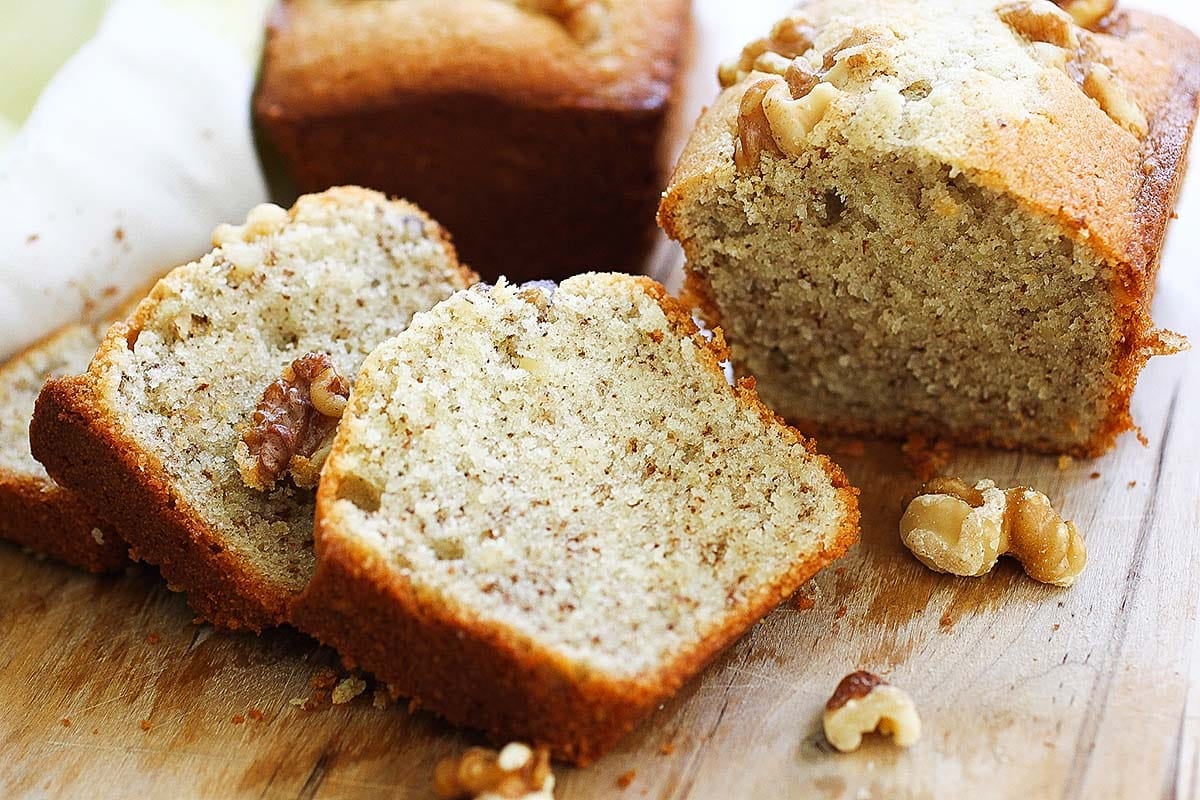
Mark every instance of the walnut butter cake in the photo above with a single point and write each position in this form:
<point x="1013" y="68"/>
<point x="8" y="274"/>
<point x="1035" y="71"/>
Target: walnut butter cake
<point x="942" y="217"/>
<point x="35" y="512"/>
<point x="546" y="509"/>
<point x="197" y="429"/>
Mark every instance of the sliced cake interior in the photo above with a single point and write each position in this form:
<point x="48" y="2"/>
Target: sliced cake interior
<point x="567" y="476"/>
<point x="940" y="217"/>
<point x="34" y="511"/>
<point x="164" y="407"/>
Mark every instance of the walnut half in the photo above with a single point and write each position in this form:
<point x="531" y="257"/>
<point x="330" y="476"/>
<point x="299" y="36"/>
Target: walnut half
<point x="961" y="529"/>
<point x="864" y="703"/>
<point x="515" y="772"/>
<point x="292" y="428"/>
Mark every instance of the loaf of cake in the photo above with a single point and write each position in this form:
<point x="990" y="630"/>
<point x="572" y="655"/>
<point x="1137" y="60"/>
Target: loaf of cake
<point x="546" y="509"/>
<point x="942" y="217"/>
<point x="35" y="512"/>
<point x="529" y="128"/>
<point x="189" y="428"/>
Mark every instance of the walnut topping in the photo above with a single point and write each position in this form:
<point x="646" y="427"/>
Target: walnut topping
<point x="863" y="703"/>
<point x="517" y="771"/>
<point x="1058" y="39"/>
<point x="1087" y="13"/>
<point x="586" y="20"/>
<point x="1039" y="21"/>
<point x="754" y="131"/>
<point x="791" y="37"/>
<point x="293" y="426"/>
<point x="1102" y="85"/>
<point x="263" y="220"/>
<point x="963" y="530"/>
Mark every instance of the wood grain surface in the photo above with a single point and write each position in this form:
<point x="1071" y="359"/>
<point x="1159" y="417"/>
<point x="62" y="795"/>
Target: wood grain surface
<point x="109" y="690"/>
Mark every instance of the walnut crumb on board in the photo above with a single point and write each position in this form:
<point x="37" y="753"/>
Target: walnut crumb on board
<point x="626" y="779"/>
<point x="348" y="689"/>
<point x="144" y="724"/>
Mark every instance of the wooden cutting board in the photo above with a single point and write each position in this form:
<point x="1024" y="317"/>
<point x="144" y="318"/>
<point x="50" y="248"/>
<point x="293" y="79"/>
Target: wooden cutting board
<point x="108" y="689"/>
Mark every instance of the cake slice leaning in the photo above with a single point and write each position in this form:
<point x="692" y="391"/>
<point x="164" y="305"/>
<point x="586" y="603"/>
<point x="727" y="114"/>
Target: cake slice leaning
<point x="545" y="510"/>
<point x="35" y="512"/>
<point x="154" y="435"/>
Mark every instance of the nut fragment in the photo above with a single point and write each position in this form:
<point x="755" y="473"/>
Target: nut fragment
<point x="961" y="529"/>
<point x="1102" y="85"/>
<point x="517" y="771"/>
<point x="1039" y="21"/>
<point x="863" y="703"/>
<point x="262" y="220"/>
<point x="1087" y="13"/>
<point x="293" y="426"/>
<point x="791" y="37"/>
<point x="754" y="131"/>
<point x="586" y="20"/>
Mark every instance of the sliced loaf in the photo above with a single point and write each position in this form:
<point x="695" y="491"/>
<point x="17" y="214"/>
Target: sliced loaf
<point x="545" y="510"/>
<point x="35" y="512"/>
<point x="943" y="216"/>
<point x="150" y="435"/>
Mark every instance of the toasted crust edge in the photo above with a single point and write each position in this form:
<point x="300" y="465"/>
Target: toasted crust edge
<point x="500" y="681"/>
<point x="82" y="449"/>
<point x="47" y="519"/>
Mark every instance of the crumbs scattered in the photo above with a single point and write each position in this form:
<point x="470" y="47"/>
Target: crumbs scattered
<point x="626" y="778"/>
<point x="666" y="749"/>
<point x="66" y="723"/>
<point x="256" y="714"/>
<point x="1132" y="484"/>
<point x="316" y="700"/>
<point x="119" y="234"/>
<point x="1064" y="463"/>
<point x="381" y="698"/>
<point x="238" y="719"/>
<point x="348" y="689"/>
<point x="925" y="459"/>
<point x="841" y="612"/>
<point x="325" y="678"/>
<point x="946" y="623"/>
<point x="1094" y="475"/>
<point x="1054" y="627"/>
<point x="31" y="238"/>
<point x="95" y="731"/>
<point x="153" y="637"/>
<point x="144" y="724"/>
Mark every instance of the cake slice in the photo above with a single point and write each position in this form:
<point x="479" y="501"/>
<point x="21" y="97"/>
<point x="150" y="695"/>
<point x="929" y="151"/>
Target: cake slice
<point x="545" y="510"/>
<point x="942" y="217"/>
<point x="154" y="435"/>
<point x="35" y="512"/>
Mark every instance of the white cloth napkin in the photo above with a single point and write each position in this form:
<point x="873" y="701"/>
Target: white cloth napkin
<point x="139" y="146"/>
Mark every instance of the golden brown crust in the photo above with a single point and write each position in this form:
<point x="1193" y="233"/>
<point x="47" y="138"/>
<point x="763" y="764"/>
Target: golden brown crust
<point x="81" y="448"/>
<point x="1113" y="194"/>
<point x="50" y="520"/>
<point x="376" y="93"/>
<point x="501" y="681"/>
<point x="40" y="515"/>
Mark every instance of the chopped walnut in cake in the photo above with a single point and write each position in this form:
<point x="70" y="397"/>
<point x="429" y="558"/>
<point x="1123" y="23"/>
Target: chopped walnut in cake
<point x="292" y="428"/>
